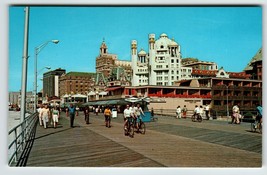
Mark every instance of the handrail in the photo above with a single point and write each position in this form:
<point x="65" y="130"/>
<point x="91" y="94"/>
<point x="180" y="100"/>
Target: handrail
<point x="19" y="136"/>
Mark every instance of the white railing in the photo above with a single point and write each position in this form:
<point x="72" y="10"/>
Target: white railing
<point x="19" y="136"/>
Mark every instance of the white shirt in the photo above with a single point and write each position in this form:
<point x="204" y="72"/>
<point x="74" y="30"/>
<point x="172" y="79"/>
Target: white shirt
<point x="127" y="113"/>
<point x="139" y="111"/>
<point x="178" y="110"/>
<point x="201" y="111"/>
<point x="197" y="110"/>
<point x="39" y="110"/>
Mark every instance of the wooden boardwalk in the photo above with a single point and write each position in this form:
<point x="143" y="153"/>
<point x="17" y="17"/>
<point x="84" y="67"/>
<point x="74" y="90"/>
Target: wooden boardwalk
<point x="168" y="142"/>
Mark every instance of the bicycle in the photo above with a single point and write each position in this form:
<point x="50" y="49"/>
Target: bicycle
<point x="256" y="125"/>
<point x="141" y="125"/>
<point x="129" y="131"/>
<point x="196" y="117"/>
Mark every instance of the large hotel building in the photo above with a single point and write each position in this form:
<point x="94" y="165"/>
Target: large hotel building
<point x="163" y="75"/>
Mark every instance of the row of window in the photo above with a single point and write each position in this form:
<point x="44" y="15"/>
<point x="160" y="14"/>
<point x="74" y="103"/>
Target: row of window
<point x="166" y="78"/>
<point x="142" y="70"/>
<point x="143" y="81"/>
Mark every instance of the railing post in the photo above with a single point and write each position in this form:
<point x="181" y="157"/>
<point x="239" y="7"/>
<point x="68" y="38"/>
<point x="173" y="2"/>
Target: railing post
<point x="16" y="146"/>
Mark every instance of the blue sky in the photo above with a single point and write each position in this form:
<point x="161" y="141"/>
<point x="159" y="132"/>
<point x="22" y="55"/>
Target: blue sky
<point x="229" y="36"/>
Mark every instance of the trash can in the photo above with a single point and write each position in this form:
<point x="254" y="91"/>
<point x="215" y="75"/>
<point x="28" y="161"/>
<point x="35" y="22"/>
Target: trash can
<point x="114" y="113"/>
<point x="146" y="117"/>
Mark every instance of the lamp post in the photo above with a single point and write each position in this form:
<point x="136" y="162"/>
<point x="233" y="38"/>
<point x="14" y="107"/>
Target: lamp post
<point x="35" y="91"/>
<point x="37" y="51"/>
<point x="227" y="106"/>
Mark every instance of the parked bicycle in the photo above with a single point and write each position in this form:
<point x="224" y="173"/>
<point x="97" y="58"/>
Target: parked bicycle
<point x="196" y="118"/>
<point x="129" y="131"/>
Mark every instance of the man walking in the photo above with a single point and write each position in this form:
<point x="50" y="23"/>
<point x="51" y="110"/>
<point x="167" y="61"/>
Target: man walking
<point x="72" y="114"/>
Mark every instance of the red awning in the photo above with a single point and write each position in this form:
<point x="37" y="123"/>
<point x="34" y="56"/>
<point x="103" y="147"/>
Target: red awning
<point x="113" y="88"/>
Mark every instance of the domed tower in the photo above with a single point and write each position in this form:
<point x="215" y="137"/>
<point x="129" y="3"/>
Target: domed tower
<point x="142" y="56"/>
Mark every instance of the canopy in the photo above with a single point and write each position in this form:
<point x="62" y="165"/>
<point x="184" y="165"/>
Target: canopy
<point x="90" y="103"/>
<point x="103" y="93"/>
<point x="132" y="99"/>
<point x="79" y="96"/>
<point x="67" y="104"/>
<point x="66" y="96"/>
<point x="106" y="102"/>
<point x="91" y="93"/>
<point x="117" y="102"/>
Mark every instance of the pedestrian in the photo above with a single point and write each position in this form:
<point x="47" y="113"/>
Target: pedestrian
<point x="93" y="109"/>
<point x="152" y="112"/>
<point x="178" y="112"/>
<point x="77" y="110"/>
<point x="67" y="111"/>
<point x="107" y="114"/>
<point x="45" y="113"/>
<point x="55" y="115"/>
<point x="96" y="110"/>
<point x="86" y="114"/>
<point x="236" y="115"/>
<point x="184" y="110"/>
<point x="201" y="110"/>
<point x="71" y="110"/>
<point x="39" y="110"/>
<point x="207" y="111"/>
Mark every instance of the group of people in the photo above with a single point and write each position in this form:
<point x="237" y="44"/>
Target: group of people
<point x="200" y="110"/>
<point x="180" y="112"/>
<point x="134" y="112"/>
<point x="46" y="114"/>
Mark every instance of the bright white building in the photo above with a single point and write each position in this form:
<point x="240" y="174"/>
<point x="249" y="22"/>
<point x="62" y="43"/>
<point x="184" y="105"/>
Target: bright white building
<point x="161" y="66"/>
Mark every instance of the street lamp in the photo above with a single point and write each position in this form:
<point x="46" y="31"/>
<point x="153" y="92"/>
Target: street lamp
<point x="227" y="105"/>
<point x="46" y="67"/>
<point x="227" y="102"/>
<point x="37" y="51"/>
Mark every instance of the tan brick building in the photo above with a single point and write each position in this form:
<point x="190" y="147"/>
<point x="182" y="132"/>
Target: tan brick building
<point x="105" y="62"/>
<point x="76" y="83"/>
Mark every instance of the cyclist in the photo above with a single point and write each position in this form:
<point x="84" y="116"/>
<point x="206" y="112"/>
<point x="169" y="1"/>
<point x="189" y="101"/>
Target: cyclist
<point x="139" y="111"/>
<point x="127" y="114"/>
<point x="133" y="110"/>
<point x="196" y="112"/>
<point x="259" y="115"/>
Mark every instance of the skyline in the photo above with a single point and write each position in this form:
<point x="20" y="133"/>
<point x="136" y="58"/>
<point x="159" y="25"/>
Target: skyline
<point x="217" y="34"/>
